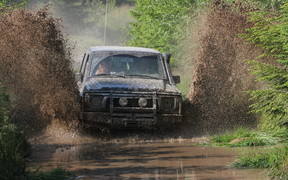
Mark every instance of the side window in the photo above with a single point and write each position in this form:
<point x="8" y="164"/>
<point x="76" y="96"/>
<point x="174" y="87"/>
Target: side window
<point x="81" y="67"/>
<point x="84" y="63"/>
<point x="167" y="69"/>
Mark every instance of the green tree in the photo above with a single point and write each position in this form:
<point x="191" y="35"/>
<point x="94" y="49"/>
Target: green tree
<point x="17" y="3"/>
<point x="159" y="24"/>
<point x="270" y="33"/>
<point x="3" y="3"/>
<point x="268" y="4"/>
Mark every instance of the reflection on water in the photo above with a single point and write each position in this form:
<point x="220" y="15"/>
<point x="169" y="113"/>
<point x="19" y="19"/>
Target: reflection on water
<point x="152" y="161"/>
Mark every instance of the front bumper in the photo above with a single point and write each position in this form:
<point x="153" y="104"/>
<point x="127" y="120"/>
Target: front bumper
<point x="132" y="119"/>
<point x="153" y="114"/>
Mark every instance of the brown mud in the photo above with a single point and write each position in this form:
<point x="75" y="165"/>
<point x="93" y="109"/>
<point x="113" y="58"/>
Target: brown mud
<point x="220" y="77"/>
<point x="36" y="70"/>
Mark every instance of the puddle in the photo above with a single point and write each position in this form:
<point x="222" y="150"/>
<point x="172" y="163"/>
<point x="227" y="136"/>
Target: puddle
<point x="144" y="161"/>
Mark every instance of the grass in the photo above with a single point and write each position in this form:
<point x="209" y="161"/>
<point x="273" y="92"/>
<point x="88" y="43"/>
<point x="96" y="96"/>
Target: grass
<point x="275" y="159"/>
<point x="242" y="137"/>
<point x="56" y="174"/>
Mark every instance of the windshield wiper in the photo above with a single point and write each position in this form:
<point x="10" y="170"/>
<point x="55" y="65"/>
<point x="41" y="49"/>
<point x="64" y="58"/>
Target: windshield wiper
<point x="111" y="75"/>
<point x="143" y="76"/>
<point x="102" y="74"/>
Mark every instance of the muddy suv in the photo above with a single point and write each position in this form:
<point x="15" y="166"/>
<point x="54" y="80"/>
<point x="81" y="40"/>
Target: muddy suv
<point x="128" y="86"/>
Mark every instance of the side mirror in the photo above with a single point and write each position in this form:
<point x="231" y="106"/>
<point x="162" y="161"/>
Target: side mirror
<point x="176" y="79"/>
<point x="167" y="57"/>
<point x="78" y="77"/>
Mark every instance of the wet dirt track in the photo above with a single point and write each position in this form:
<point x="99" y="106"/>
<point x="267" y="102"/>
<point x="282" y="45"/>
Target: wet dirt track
<point x="149" y="161"/>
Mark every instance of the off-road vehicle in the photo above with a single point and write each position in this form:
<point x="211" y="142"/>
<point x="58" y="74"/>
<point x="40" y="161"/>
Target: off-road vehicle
<point x="128" y="86"/>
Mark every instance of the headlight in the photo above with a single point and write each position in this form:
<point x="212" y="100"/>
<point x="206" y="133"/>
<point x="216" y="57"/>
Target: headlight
<point x="168" y="103"/>
<point x="96" y="101"/>
<point x="142" y="102"/>
<point x="123" y="101"/>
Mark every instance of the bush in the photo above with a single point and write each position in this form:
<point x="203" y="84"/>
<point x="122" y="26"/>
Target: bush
<point x="12" y="161"/>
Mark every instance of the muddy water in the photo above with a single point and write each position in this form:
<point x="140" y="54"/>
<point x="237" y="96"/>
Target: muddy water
<point x="149" y="161"/>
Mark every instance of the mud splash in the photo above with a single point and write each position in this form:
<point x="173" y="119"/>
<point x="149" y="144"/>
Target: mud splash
<point x="221" y="75"/>
<point x="35" y="68"/>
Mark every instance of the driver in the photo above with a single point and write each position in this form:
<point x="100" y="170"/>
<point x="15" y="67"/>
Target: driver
<point x="103" y="68"/>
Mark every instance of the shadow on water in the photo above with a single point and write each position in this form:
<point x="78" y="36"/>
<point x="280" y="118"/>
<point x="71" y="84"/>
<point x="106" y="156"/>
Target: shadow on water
<point x="163" y="160"/>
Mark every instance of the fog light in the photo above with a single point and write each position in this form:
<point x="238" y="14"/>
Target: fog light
<point x="123" y="101"/>
<point x="142" y="102"/>
<point x="96" y="101"/>
<point x="167" y="103"/>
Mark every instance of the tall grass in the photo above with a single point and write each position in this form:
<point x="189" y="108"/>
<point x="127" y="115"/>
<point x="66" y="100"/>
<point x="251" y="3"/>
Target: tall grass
<point x="276" y="130"/>
<point x="242" y="137"/>
<point x="275" y="159"/>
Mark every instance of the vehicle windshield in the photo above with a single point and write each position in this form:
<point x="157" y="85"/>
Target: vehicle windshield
<point x="125" y="65"/>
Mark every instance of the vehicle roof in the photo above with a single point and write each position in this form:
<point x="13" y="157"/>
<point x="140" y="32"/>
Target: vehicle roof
<point x="121" y="49"/>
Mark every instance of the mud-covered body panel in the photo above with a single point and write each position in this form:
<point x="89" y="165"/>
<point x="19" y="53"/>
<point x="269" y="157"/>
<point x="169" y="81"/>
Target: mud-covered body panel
<point x="128" y="84"/>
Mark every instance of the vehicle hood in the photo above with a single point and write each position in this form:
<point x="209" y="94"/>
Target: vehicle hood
<point x="128" y="84"/>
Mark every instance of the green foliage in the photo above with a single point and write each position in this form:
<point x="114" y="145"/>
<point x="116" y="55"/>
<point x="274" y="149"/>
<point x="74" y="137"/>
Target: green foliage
<point x="4" y="101"/>
<point x="259" y="160"/>
<point x="13" y="148"/>
<point x="270" y="33"/>
<point x="275" y="159"/>
<point x="262" y="4"/>
<point x="242" y="137"/>
<point x="3" y="3"/>
<point x="229" y="136"/>
<point x="265" y="124"/>
<point x="269" y="4"/>
<point x="254" y="141"/>
<point x="12" y="162"/>
<point x="56" y="174"/>
<point x="159" y="24"/>
<point x="11" y="4"/>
